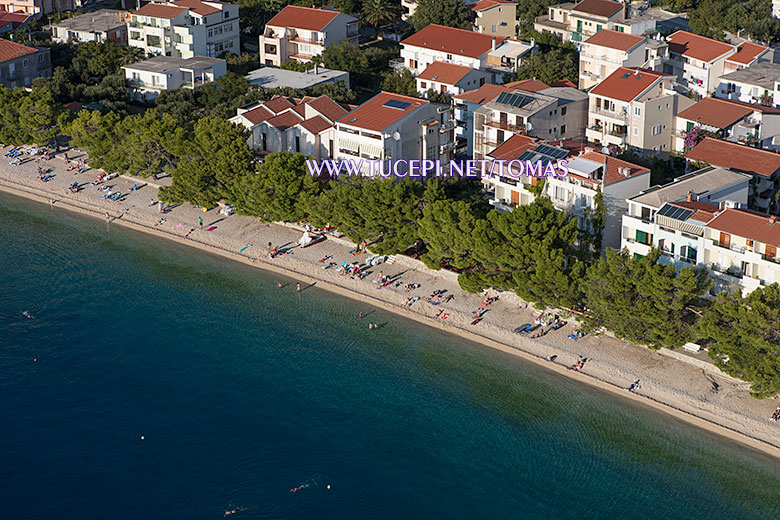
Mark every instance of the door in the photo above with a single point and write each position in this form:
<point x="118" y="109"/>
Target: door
<point x="515" y="197"/>
<point x="725" y="240"/>
<point x="771" y="252"/>
<point x="579" y="26"/>
<point x="502" y="117"/>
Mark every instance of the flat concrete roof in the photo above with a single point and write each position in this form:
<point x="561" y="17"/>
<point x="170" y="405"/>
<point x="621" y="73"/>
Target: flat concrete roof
<point x="163" y="64"/>
<point x="761" y="74"/>
<point x="701" y="181"/>
<point x="271" y="77"/>
<point x="99" y="21"/>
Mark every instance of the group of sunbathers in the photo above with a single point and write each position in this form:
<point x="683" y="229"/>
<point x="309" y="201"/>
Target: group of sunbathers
<point x="776" y="415"/>
<point x="438" y="297"/>
<point x="633" y="387"/>
<point x="579" y="364"/>
<point x="411" y="301"/>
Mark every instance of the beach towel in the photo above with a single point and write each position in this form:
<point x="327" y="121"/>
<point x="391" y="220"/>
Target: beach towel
<point x="243" y="248"/>
<point x="212" y="228"/>
<point x="179" y="225"/>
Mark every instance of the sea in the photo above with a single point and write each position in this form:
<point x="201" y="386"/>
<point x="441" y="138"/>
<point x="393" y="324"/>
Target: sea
<point x="155" y="381"/>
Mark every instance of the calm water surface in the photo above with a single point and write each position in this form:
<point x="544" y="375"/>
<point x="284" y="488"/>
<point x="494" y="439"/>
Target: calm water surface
<point x="244" y="391"/>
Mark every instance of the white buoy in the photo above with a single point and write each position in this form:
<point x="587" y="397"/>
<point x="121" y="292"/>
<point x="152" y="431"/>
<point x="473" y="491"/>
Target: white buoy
<point x="142" y="437"/>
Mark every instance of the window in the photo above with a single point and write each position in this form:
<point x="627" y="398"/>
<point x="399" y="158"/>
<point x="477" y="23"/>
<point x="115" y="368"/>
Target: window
<point x="563" y="111"/>
<point x="493" y="29"/>
<point x="637" y="111"/>
<point x="636" y="130"/>
<point x="25" y="63"/>
<point x="227" y="14"/>
<point x="561" y="193"/>
<point x="449" y="56"/>
<point x="771" y="252"/>
<point x="646" y="214"/>
<point x="563" y="129"/>
<point x="656" y="129"/>
<point x="500" y="136"/>
<point x="270" y="49"/>
<point x="423" y="84"/>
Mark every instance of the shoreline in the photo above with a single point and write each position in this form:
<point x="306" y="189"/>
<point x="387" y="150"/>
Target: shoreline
<point x="283" y="268"/>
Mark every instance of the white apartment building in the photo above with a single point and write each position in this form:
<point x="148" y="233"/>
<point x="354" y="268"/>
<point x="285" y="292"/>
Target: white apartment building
<point x="448" y="78"/>
<point x="762" y="165"/>
<point x="448" y="45"/>
<point x="699" y="62"/>
<point x="578" y="21"/>
<point x="670" y="217"/>
<point x="101" y="26"/>
<point x="758" y="83"/>
<point x="149" y="77"/>
<point x="551" y="114"/>
<point x="607" y="50"/>
<point x="634" y="108"/>
<point x="495" y="17"/>
<point x="740" y="250"/>
<point x="735" y="121"/>
<point x="776" y="8"/>
<point x="301" y="33"/>
<point x="304" y="126"/>
<point x="185" y="28"/>
<point x="575" y="193"/>
<point x="394" y="127"/>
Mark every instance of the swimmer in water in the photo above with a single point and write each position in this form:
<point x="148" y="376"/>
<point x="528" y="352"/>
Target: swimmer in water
<point x="27" y="315"/>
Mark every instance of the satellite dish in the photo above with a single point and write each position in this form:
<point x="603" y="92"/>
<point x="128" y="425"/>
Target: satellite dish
<point x="396" y="136"/>
<point x="529" y="127"/>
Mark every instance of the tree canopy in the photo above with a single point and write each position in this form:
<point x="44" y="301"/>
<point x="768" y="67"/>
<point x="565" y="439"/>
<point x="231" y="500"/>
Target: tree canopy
<point x="553" y="65"/>
<point x="452" y="13"/>
<point x="744" y="337"/>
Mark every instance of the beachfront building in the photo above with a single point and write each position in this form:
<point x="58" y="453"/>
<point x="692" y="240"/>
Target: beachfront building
<point x="634" y="108"/>
<point x="150" y="77"/>
<point x="672" y="217"/>
<point x="607" y="50"/>
<point x="449" y="78"/>
<point x="740" y="250"/>
<point x="747" y="123"/>
<point x="37" y="7"/>
<point x="282" y="124"/>
<point x="185" y="28"/>
<point x="758" y="83"/>
<point x="20" y="64"/>
<point x="272" y="77"/>
<point x="101" y="26"/>
<point x="589" y="173"/>
<point x="301" y="33"/>
<point x="762" y="165"/>
<point x="394" y="127"/>
<point x="551" y="114"/>
<point x="467" y="103"/>
<point x="495" y="17"/>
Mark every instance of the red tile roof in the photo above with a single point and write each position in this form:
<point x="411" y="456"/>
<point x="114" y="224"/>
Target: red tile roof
<point x="15" y="19"/>
<point x="746" y="53"/>
<point x="258" y="115"/>
<point x="697" y="47"/>
<point x="307" y="18"/>
<point x="316" y="124"/>
<point x="488" y="4"/>
<point x="10" y="50"/>
<point x="278" y="104"/>
<point x="285" y="120"/>
<point x="611" y="173"/>
<point x="598" y="7"/>
<point x="720" y="113"/>
<point x="735" y="157"/>
<point x="374" y="115"/>
<point x="447" y="73"/>
<point x="196" y="6"/>
<point x="565" y="82"/>
<point x="626" y="84"/>
<point x="327" y="107"/>
<point x="614" y="39"/>
<point x="529" y="85"/>
<point x="160" y="11"/>
<point x="514" y="147"/>
<point x="452" y="41"/>
<point x="760" y="228"/>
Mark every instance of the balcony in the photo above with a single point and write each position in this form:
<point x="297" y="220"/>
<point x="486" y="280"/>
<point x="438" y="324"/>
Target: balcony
<point x="444" y="148"/>
<point x="602" y="57"/>
<point x="309" y="41"/>
<point x="771" y="258"/>
<point x="730" y="247"/>
<point x="504" y="126"/>
<point x="727" y="273"/>
<point x="621" y="115"/>
<point x="446" y="127"/>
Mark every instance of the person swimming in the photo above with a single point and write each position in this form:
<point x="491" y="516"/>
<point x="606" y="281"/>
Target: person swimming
<point x="27" y="315"/>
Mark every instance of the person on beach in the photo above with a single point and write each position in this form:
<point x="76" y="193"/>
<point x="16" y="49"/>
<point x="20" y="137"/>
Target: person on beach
<point x="279" y="285"/>
<point x="67" y="160"/>
<point x="188" y="233"/>
<point x="361" y="314"/>
<point x="298" y="287"/>
<point x="200" y="221"/>
<point x="108" y="217"/>
<point x="552" y="358"/>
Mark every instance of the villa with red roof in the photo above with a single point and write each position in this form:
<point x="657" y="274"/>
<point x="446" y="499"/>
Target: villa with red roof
<point x="185" y="29"/>
<point x="634" y="107"/>
<point x="20" y="64"/>
<point x="296" y="125"/>
<point x="699" y="61"/>
<point x="392" y="126"/>
<point x="605" y="51"/>
<point x="495" y="17"/>
<point x="732" y="120"/>
<point x="448" y="45"/>
<point x="449" y="78"/>
<point x="763" y="165"/>
<point x="300" y="33"/>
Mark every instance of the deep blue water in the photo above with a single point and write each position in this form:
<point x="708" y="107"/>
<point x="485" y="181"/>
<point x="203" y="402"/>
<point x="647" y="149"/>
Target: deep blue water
<point x="243" y="390"/>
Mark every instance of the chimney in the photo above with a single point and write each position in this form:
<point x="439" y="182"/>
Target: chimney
<point x="690" y="196"/>
<point x="494" y="43"/>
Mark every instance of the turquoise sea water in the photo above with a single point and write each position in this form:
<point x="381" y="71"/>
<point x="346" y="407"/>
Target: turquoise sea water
<point x="244" y="391"/>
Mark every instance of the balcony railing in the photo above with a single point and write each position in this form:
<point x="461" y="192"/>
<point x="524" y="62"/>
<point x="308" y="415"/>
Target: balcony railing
<point x="504" y="126"/>
<point x="730" y="247"/>
<point x="621" y="115"/>
<point x="771" y="258"/>
<point x="299" y="39"/>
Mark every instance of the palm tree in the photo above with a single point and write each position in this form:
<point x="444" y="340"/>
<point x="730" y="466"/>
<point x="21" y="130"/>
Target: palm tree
<point x="380" y="12"/>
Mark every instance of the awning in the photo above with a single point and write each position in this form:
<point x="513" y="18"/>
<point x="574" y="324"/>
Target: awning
<point x="372" y="150"/>
<point x="349" y="145"/>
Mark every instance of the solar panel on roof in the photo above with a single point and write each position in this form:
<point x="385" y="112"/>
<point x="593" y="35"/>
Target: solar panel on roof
<point x="552" y="151"/>
<point x="514" y="100"/>
<point x="397" y="103"/>
<point x="675" y="212"/>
